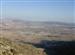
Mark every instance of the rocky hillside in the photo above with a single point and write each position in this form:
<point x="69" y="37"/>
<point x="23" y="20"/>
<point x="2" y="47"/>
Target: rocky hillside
<point x="8" y="47"/>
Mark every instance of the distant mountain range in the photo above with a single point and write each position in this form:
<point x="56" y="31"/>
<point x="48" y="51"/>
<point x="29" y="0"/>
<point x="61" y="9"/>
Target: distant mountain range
<point x="45" y="22"/>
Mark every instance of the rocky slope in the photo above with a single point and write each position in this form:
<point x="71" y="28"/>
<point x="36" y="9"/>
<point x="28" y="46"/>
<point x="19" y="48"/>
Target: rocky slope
<point x="8" y="47"/>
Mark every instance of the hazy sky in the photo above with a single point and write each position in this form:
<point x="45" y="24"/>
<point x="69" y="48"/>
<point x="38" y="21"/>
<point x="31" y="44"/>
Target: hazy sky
<point x="39" y="10"/>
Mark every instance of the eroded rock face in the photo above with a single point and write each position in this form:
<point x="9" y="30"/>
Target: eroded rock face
<point x="10" y="48"/>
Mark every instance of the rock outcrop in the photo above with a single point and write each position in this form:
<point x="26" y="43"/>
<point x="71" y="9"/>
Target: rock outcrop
<point x="8" y="47"/>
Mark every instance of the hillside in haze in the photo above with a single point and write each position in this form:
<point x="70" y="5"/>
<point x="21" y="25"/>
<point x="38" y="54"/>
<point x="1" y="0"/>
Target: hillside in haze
<point x="36" y="38"/>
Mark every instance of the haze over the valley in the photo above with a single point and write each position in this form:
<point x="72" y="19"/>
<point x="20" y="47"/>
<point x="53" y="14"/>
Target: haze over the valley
<point x="37" y="27"/>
